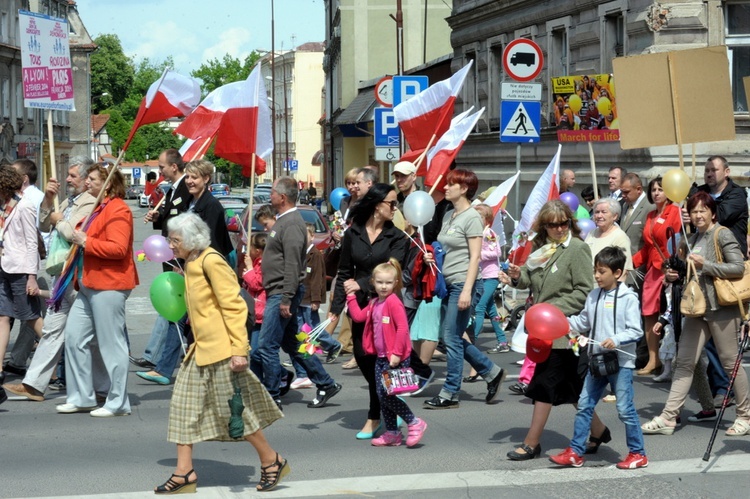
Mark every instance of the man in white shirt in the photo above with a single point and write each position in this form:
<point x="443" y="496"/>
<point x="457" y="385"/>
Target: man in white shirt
<point x="614" y="179"/>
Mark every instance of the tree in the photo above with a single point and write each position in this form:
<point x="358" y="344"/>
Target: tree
<point x="216" y="73"/>
<point x="148" y="142"/>
<point x="145" y="74"/>
<point x="111" y="73"/>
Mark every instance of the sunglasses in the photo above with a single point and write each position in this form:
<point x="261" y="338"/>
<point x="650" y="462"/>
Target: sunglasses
<point x="392" y="204"/>
<point x="558" y="225"/>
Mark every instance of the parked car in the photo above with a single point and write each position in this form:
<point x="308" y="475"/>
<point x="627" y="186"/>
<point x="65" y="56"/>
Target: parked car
<point x="322" y="239"/>
<point x="233" y="200"/>
<point x="145" y="202"/>
<point x="219" y="189"/>
<point x="133" y="191"/>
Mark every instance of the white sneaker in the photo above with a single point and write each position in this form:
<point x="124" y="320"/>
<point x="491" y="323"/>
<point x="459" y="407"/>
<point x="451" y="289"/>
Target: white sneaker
<point x="71" y="409"/>
<point x="301" y="383"/>
<point x="106" y="413"/>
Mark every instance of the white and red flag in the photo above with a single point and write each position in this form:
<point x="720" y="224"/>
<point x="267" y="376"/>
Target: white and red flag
<point x="412" y="156"/>
<point x="440" y="157"/>
<point x="429" y="112"/>
<point x="238" y="115"/>
<point x="497" y="201"/>
<point x="546" y="189"/>
<point x="195" y="148"/>
<point x="171" y="96"/>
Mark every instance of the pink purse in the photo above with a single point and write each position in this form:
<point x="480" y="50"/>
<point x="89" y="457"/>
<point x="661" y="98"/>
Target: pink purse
<point x="400" y="380"/>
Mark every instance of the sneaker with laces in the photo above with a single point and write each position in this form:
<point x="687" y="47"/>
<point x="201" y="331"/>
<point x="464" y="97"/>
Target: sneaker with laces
<point x="416" y="432"/>
<point x="499" y="348"/>
<point x="703" y="416"/>
<point x="519" y="388"/>
<point x="633" y="461"/>
<point x="568" y="457"/>
<point x="323" y="396"/>
<point x="57" y="385"/>
<point x="301" y="383"/>
<point x="388" y="439"/>
<point x="333" y="354"/>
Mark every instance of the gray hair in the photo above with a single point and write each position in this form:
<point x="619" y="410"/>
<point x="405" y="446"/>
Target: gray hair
<point x="368" y="174"/>
<point x="612" y="204"/>
<point x="287" y="186"/>
<point x="193" y="230"/>
<point x="82" y="162"/>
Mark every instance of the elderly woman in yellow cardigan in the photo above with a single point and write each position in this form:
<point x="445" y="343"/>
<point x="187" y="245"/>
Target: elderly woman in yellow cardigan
<point x="214" y="363"/>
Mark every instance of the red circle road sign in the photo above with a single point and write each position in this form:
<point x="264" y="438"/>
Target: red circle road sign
<point x="523" y="59"/>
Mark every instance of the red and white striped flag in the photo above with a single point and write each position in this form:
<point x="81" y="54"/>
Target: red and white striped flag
<point x="429" y="112"/>
<point x="238" y="115"/>
<point x="497" y="201"/>
<point x="411" y="156"/>
<point x="440" y="157"/>
<point x="195" y="148"/>
<point x="171" y="96"/>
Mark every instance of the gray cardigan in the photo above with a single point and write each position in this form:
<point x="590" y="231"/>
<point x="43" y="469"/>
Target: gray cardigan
<point x="733" y="266"/>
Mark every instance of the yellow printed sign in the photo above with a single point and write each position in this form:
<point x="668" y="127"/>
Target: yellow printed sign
<point x="584" y="108"/>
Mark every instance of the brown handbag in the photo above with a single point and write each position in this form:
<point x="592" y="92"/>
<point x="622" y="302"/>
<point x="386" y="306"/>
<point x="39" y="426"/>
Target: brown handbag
<point x="693" y="302"/>
<point x="730" y="291"/>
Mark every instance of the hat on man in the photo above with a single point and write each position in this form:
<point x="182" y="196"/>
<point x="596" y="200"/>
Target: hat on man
<point x="405" y="168"/>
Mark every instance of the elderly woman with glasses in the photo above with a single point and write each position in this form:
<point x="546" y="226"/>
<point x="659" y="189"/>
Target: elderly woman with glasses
<point x="371" y="240"/>
<point x="608" y="233"/>
<point x="560" y="272"/>
<point x="215" y="364"/>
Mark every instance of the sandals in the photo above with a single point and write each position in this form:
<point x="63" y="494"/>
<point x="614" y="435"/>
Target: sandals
<point x="658" y="426"/>
<point x="270" y="479"/>
<point x="739" y="428"/>
<point x="172" y="487"/>
<point x="594" y="442"/>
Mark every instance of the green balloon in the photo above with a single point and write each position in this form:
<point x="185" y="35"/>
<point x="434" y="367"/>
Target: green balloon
<point x="168" y="295"/>
<point x="582" y="212"/>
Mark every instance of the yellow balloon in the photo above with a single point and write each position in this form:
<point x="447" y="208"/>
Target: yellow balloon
<point x="604" y="106"/>
<point x="676" y="185"/>
<point x="615" y="125"/>
<point x="575" y="103"/>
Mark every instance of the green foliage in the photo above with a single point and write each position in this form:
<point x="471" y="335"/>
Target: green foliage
<point x="149" y="141"/>
<point x="111" y="72"/>
<point x="216" y="73"/>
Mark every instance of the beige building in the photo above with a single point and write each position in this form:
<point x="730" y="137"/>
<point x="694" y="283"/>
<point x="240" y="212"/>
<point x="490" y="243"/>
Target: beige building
<point x="296" y="108"/>
<point x="361" y="49"/>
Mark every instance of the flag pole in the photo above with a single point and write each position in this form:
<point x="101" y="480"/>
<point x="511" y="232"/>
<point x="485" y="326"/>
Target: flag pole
<point x="52" y="162"/>
<point x="593" y="171"/>
<point x="104" y="186"/>
<point x="137" y="124"/>
<point x="250" y="204"/>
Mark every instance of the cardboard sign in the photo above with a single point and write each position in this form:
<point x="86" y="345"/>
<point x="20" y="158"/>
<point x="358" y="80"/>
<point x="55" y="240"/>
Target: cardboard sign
<point x="672" y="98"/>
<point x="585" y="108"/>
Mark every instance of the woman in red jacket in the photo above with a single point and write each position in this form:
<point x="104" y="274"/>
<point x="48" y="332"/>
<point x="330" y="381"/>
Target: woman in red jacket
<point x="98" y="312"/>
<point x="653" y="253"/>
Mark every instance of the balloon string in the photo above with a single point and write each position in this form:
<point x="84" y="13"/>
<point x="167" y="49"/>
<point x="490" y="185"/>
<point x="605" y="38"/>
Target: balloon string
<point x="422" y="248"/>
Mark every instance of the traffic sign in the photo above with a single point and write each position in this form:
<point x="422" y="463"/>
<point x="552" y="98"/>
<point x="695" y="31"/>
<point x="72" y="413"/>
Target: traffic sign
<point x="520" y="121"/>
<point x="291" y="164"/>
<point x="520" y="91"/>
<point x="406" y="87"/>
<point x="136" y="172"/>
<point x="384" y="91"/>
<point x="523" y="59"/>
<point x="386" y="129"/>
<point x="387" y="154"/>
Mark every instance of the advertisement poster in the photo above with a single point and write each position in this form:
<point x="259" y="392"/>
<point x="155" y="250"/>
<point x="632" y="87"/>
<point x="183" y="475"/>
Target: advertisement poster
<point x="584" y="108"/>
<point x="46" y="64"/>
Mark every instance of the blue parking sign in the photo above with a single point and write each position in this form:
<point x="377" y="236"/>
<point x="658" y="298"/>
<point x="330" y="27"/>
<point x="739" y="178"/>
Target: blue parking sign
<point x="386" y="129"/>
<point x="406" y="87"/>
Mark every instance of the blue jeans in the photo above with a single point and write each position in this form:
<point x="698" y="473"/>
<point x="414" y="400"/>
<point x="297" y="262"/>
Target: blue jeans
<point x="717" y="378"/>
<point x="157" y="340"/>
<point x="306" y="315"/>
<point x="453" y="322"/>
<point x="280" y="333"/>
<point x="172" y="351"/>
<point x="622" y="385"/>
<point x="486" y="304"/>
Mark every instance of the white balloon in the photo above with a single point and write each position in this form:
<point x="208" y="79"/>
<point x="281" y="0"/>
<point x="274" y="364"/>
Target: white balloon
<point x="419" y="207"/>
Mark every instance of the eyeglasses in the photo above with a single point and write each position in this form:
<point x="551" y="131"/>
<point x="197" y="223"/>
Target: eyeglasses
<point x="558" y="225"/>
<point x="174" y="240"/>
<point x="392" y="204"/>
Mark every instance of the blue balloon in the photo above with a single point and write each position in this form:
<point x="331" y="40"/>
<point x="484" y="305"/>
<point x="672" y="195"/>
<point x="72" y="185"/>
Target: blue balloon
<point x="336" y="196"/>
<point x="586" y="225"/>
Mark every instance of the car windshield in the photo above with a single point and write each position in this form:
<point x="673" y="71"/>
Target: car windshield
<point x="309" y="216"/>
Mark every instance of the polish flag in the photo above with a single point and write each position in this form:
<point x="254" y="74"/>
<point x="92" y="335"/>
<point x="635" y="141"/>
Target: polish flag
<point x="497" y="201"/>
<point x="195" y="148"/>
<point x="238" y="115"/>
<point x="171" y="96"/>
<point x="412" y="156"/>
<point x="546" y="189"/>
<point x="428" y="113"/>
<point x="440" y="157"/>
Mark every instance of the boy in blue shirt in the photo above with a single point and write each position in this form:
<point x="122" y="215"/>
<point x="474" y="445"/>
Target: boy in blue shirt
<point x="612" y="314"/>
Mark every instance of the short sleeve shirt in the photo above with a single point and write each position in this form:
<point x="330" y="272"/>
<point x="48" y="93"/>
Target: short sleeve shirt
<point x="454" y="237"/>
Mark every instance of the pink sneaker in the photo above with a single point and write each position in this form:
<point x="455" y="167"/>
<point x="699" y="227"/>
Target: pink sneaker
<point x="388" y="439"/>
<point x="416" y="432"/>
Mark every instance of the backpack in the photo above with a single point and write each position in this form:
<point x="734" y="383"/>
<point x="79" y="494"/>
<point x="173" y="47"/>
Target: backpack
<point x="441" y="290"/>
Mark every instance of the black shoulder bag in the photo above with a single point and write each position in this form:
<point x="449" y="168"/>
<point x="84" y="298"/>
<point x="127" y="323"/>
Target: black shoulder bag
<point x="604" y="363"/>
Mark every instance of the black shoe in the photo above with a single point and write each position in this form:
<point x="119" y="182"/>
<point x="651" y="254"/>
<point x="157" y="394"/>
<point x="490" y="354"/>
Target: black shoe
<point x="493" y="387"/>
<point x="278" y="404"/>
<point x="605" y="438"/>
<point x="529" y="453"/>
<point x="10" y="368"/>
<point x="287" y="377"/>
<point x="323" y="396"/>
<point x="333" y="354"/>
<point x="2" y="377"/>
<point x="519" y="388"/>
<point x="438" y="402"/>
<point x="141" y="362"/>
<point x="3" y="396"/>
<point x="470" y="379"/>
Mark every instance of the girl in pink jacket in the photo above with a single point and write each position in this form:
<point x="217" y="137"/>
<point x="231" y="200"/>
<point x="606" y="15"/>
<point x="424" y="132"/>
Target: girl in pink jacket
<point x="386" y="335"/>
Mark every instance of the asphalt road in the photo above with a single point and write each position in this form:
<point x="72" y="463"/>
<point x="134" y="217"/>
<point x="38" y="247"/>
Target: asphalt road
<point x="45" y="454"/>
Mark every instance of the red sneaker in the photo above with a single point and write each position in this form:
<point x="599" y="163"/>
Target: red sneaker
<point x="568" y="457"/>
<point x="633" y="461"/>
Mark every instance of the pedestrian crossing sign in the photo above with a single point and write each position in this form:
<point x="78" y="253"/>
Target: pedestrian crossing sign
<point x="520" y="121"/>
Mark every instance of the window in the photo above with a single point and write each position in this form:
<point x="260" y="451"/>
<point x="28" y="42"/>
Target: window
<point x="614" y="40"/>
<point x="470" y="85"/>
<point x="19" y="100"/>
<point x="4" y="29"/>
<point x="737" y="39"/>
<point x="6" y="98"/>
<point x="495" y="81"/>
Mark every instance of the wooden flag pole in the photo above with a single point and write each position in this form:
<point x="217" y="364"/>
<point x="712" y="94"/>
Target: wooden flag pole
<point x="104" y="186"/>
<point x="52" y="162"/>
<point x="424" y="153"/>
<point x="593" y="171"/>
<point x="250" y="205"/>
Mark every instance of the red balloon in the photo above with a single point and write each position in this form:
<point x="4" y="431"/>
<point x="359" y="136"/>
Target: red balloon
<point x="546" y="322"/>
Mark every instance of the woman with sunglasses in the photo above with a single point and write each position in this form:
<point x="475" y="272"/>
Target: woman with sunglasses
<point x="370" y="240"/>
<point x="560" y="272"/>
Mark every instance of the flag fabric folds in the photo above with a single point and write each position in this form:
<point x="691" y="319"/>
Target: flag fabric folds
<point x="497" y="201"/>
<point x="429" y="112"/>
<point x="237" y="114"/>
<point x="195" y="148"/>
<point x="440" y="157"/>
<point x="171" y="96"/>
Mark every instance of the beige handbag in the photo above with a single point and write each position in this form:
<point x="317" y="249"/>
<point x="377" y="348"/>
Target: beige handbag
<point x="730" y="291"/>
<point x="693" y="302"/>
